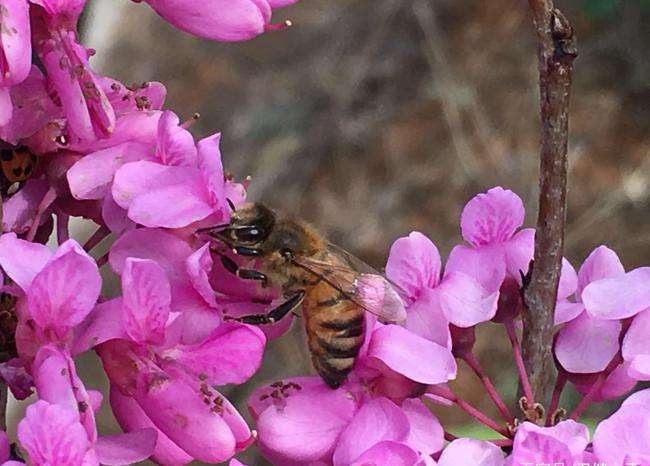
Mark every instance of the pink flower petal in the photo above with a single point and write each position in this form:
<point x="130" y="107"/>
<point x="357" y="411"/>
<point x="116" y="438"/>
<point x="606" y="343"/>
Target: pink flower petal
<point x="65" y="291"/>
<point x="636" y="341"/>
<point x="281" y="3"/>
<point x="52" y="377"/>
<point x="146" y="298"/>
<point x="464" y="301"/>
<point x="623" y="437"/>
<point x="426" y="434"/>
<point x="572" y="434"/>
<point x="492" y="217"/>
<point x="224" y="20"/>
<point x="471" y="451"/>
<point x="519" y="252"/>
<point x="51" y="434"/>
<point x="199" y="265"/>
<point x="179" y="411"/>
<point x="377" y="420"/>
<point x="486" y="264"/>
<point x="426" y="319"/>
<point x="412" y="356"/>
<point x="566" y="311"/>
<point x="380" y="298"/>
<point x="587" y="344"/>
<point x="15" y="42"/>
<point x="91" y="176"/>
<point x="161" y="196"/>
<point x="115" y="217"/>
<point x="601" y="263"/>
<point x="537" y="448"/>
<point x="22" y="260"/>
<point x="128" y="448"/>
<point x="642" y="398"/>
<point x="105" y="322"/>
<point x="17" y="378"/>
<point x="4" y="446"/>
<point x="175" y="144"/>
<point x="212" y="172"/>
<point x="640" y="367"/>
<point x="388" y="452"/>
<point x="232" y="354"/>
<point x="166" y="249"/>
<point x="305" y="425"/>
<point x="568" y="280"/>
<point x="414" y="265"/>
<point x="131" y="418"/>
<point x="620" y="296"/>
<point x="6" y="107"/>
<point x="20" y="209"/>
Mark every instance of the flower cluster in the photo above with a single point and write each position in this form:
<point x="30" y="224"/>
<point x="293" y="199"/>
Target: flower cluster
<point x="77" y="144"/>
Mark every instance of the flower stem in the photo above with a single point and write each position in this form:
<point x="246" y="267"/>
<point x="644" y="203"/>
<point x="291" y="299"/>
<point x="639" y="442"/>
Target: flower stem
<point x="474" y="364"/>
<point x="557" y="393"/>
<point x="519" y="360"/>
<point x="97" y="237"/>
<point x="469" y="409"/>
<point x="62" y="227"/>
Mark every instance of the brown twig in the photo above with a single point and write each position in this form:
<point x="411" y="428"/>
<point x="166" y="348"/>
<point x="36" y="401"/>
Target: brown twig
<point x="3" y="386"/>
<point x="556" y="52"/>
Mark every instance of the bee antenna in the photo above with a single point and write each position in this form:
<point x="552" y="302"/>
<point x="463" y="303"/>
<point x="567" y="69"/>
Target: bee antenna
<point x="231" y="204"/>
<point x="213" y="227"/>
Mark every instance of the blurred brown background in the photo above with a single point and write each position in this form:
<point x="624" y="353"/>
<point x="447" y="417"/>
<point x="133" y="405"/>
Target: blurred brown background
<point x="372" y="118"/>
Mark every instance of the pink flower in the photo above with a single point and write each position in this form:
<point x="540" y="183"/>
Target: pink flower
<point x="564" y="443"/>
<point x="622" y="438"/>
<point x="471" y="451"/>
<point x="58" y="290"/>
<point x="432" y="303"/>
<point x="51" y="434"/>
<point x="170" y="381"/>
<point x="395" y="365"/>
<point x="224" y="20"/>
<point x="184" y="185"/>
<point x="575" y="349"/>
<point x="490" y="223"/>
<point x="15" y="52"/>
<point x="88" y="112"/>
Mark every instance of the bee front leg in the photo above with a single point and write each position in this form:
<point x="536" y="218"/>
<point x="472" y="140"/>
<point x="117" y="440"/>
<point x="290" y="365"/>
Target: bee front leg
<point x="275" y="314"/>
<point x="245" y="274"/>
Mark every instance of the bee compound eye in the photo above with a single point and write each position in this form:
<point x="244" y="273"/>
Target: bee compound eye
<point x="249" y="235"/>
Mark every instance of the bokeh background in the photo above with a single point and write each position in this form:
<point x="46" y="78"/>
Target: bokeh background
<point x="373" y="118"/>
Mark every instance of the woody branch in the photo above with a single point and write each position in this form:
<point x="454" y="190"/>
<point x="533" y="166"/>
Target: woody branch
<point x="556" y="52"/>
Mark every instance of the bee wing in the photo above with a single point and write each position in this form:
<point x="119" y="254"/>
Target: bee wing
<point x="369" y="290"/>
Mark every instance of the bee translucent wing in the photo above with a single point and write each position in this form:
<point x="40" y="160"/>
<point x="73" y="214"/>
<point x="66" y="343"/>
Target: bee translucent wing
<point x="380" y="298"/>
<point x="371" y="291"/>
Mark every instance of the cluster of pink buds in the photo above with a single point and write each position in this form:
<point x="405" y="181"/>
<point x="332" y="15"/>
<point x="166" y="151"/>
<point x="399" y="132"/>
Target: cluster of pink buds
<point x="77" y="144"/>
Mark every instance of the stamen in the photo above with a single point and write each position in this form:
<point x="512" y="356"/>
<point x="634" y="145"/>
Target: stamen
<point x="279" y="26"/>
<point x="191" y="121"/>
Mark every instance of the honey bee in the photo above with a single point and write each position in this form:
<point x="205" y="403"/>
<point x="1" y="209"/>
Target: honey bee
<point x="334" y="287"/>
<point x="17" y="165"/>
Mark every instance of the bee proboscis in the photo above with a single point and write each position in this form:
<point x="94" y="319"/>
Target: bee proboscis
<point x="334" y="287"/>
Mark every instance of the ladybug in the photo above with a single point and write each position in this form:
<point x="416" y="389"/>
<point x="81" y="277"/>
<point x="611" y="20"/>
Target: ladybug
<point x="17" y="165"/>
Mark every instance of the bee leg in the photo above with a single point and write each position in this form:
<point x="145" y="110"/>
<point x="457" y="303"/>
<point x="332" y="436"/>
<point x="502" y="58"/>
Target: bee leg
<point x="276" y="314"/>
<point x="244" y="251"/>
<point x="245" y="274"/>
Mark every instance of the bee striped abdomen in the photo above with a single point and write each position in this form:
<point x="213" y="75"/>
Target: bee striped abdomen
<point x="334" y="331"/>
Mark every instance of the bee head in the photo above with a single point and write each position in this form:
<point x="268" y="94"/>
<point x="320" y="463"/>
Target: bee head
<point x="249" y="225"/>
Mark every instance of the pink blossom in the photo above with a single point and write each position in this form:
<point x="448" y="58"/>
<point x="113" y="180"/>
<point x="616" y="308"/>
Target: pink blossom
<point x="489" y="223"/>
<point x="223" y="20"/>
<point x="189" y="177"/>
<point x="622" y="438"/>
<point x="575" y="349"/>
<point x="564" y="443"/>
<point x="394" y="366"/>
<point x="471" y="451"/>
<point x="59" y="289"/>
<point x="15" y="51"/>
<point x="139" y="336"/>
<point x="432" y="303"/>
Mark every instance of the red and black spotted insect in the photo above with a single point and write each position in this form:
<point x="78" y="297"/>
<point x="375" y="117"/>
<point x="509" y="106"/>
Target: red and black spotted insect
<point x="17" y="165"/>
